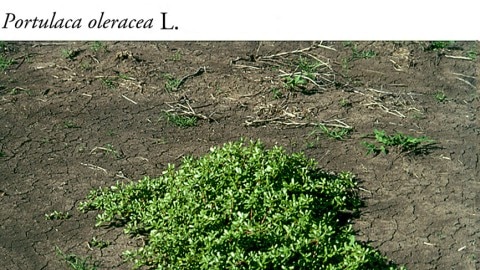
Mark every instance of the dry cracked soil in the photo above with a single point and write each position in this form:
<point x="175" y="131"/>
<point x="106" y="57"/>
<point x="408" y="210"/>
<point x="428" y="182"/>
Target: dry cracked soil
<point x="76" y="116"/>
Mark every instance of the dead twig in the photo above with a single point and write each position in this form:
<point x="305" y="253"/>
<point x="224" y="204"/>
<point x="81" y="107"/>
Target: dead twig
<point x="187" y="110"/>
<point x="94" y="167"/>
<point x="465" y="81"/>
<point x="314" y="46"/>
<point x="458" y="57"/>
<point x="199" y="72"/>
<point x="287" y="121"/>
<point x="385" y="109"/>
<point x="129" y="100"/>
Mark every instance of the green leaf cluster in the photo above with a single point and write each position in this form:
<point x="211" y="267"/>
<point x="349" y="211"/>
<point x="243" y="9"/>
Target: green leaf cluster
<point x="405" y="143"/>
<point x="241" y="206"/>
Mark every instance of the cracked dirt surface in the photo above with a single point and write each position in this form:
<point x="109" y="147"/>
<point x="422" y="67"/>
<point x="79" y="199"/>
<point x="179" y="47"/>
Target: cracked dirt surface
<point x="71" y="123"/>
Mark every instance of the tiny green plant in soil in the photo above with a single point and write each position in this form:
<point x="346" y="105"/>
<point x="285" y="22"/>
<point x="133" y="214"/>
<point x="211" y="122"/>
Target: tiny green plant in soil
<point x="345" y="103"/>
<point x="75" y="262"/>
<point x="405" y="143"/>
<point x="171" y="83"/>
<point x="97" y="46"/>
<point x="305" y="72"/>
<point x="98" y="243"/>
<point x="241" y="206"/>
<point x="439" y="45"/>
<point x="471" y="54"/>
<point x="3" y="45"/>
<point x="70" y="54"/>
<point x="183" y="121"/>
<point x="5" y="62"/>
<point x="277" y="93"/>
<point x="109" y="148"/>
<point x="338" y="133"/>
<point x="70" y="124"/>
<point x="440" y="97"/>
<point x="109" y="83"/>
<point x="57" y="215"/>
<point x="177" y="56"/>
<point x="361" y="54"/>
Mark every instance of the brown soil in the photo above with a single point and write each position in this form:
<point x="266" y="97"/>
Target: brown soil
<point x="72" y="122"/>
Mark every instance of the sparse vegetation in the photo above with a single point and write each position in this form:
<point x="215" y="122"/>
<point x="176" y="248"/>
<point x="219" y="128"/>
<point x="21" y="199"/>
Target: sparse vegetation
<point x="439" y="45"/>
<point x="111" y="150"/>
<point x="277" y="93"/>
<point x="109" y="83"/>
<point x="240" y="207"/>
<point x="338" y="133"/>
<point x="357" y="53"/>
<point x="5" y="62"/>
<point x="171" y="84"/>
<point x="345" y="103"/>
<point x="57" y="215"/>
<point x="306" y="73"/>
<point x="70" y="124"/>
<point x="177" y="56"/>
<point x="70" y="54"/>
<point x="75" y="262"/>
<point x="472" y="54"/>
<point x="440" y="96"/>
<point x="98" y="243"/>
<point x="97" y="46"/>
<point x="405" y="143"/>
<point x="18" y="90"/>
<point x="181" y="120"/>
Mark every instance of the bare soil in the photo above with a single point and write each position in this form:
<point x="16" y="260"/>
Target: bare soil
<point x="81" y="115"/>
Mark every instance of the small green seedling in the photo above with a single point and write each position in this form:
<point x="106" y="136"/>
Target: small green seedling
<point x="171" y="84"/>
<point x="177" y="56"/>
<point x="109" y="149"/>
<point x="295" y="81"/>
<point x="75" y="262"/>
<point x="373" y="149"/>
<point x="306" y="72"/>
<point x="109" y="83"/>
<point x="96" y="46"/>
<point x="98" y="243"/>
<point x="70" y="124"/>
<point x="276" y="93"/>
<point x="181" y="120"/>
<point x="439" y="45"/>
<point x="440" y="96"/>
<point x="338" y="133"/>
<point x="18" y="90"/>
<point x="361" y="54"/>
<point x="124" y="76"/>
<point x="70" y="54"/>
<point x="345" y="103"/>
<point x="5" y="63"/>
<point x="57" y="215"/>
<point x="472" y="54"/>
<point x="405" y="143"/>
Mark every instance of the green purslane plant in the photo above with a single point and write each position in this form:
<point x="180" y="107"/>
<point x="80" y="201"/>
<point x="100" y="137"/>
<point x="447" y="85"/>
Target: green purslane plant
<point x="241" y="206"/>
<point x="405" y="143"/>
